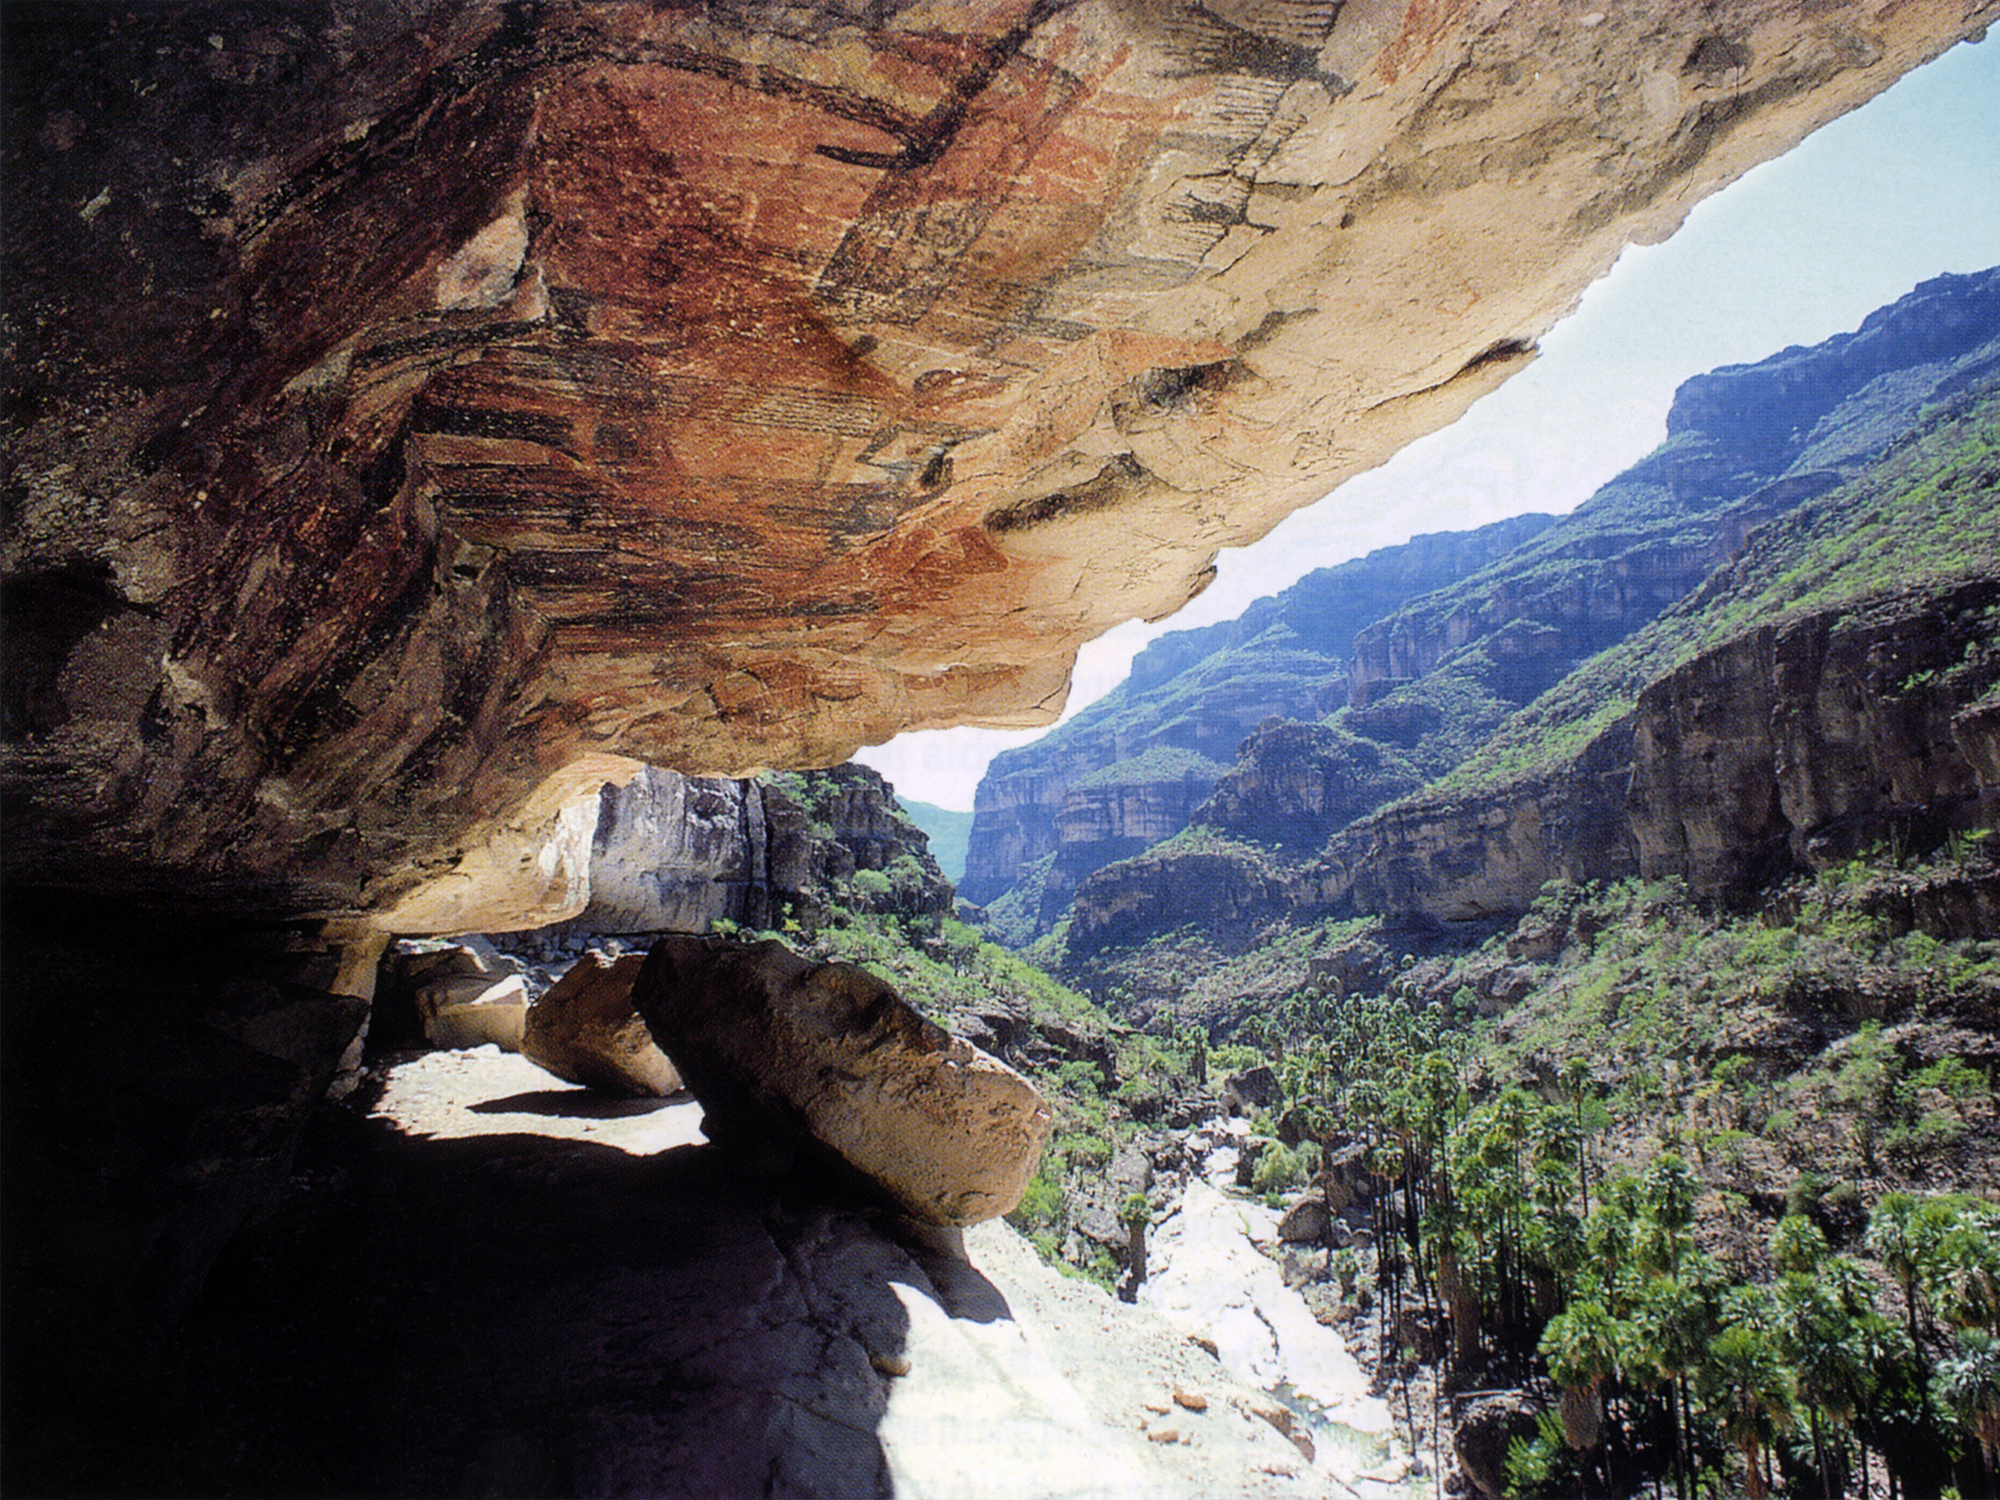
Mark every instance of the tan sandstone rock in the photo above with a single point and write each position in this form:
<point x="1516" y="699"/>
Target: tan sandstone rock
<point x="474" y="1010"/>
<point x="584" y="1029"/>
<point x="780" y="1048"/>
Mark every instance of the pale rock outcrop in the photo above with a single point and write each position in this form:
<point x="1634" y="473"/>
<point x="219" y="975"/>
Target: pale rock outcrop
<point x="674" y="853"/>
<point x="782" y="1050"/>
<point x="476" y="1013"/>
<point x="585" y="1029"/>
<point x="452" y="995"/>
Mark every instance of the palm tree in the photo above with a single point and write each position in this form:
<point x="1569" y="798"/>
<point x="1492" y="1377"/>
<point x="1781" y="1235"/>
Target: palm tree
<point x="1968" y="1383"/>
<point x="1892" y="1240"/>
<point x="1959" y="1258"/>
<point x="1829" y="1332"/>
<point x="1671" y="1326"/>
<point x="1581" y="1345"/>
<point x="1746" y="1385"/>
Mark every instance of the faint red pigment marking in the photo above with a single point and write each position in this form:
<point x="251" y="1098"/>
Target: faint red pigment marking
<point x="1424" y="24"/>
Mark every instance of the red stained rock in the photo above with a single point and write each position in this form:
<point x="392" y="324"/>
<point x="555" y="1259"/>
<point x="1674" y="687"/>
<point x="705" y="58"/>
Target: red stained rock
<point x="427" y="415"/>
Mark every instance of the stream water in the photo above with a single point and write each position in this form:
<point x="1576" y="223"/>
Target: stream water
<point x="1207" y="1276"/>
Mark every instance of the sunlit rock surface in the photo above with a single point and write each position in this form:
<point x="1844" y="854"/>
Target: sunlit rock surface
<point x="409" y="402"/>
<point x="789" y="1053"/>
<point x="585" y="1029"/>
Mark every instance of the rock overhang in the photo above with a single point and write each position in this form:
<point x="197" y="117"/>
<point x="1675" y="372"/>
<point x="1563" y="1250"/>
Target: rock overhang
<point x="418" y="414"/>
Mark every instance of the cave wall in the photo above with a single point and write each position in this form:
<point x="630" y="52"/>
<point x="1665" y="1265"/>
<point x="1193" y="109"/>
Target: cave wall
<point x="420" y="413"/>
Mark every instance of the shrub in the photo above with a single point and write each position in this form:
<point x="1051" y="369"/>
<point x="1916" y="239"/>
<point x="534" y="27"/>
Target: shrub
<point x="1278" y="1168"/>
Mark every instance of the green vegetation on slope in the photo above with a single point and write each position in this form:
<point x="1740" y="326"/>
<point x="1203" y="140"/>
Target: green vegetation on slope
<point x="1705" y="1147"/>
<point x="1921" y="519"/>
<point x="948" y="830"/>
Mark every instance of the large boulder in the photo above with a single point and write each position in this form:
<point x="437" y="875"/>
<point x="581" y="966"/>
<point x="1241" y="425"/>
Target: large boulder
<point x="1487" y="1429"/>
<point x="584" y="1029"/>
<point x="1252" y="1089"/>
<point x="782" y="1049"/>
<point x="464" y="996"/>
<point x="1307" y="1221"/>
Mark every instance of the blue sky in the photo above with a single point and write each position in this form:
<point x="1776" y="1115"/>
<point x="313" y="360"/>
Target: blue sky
<point x="1801" y="248"/>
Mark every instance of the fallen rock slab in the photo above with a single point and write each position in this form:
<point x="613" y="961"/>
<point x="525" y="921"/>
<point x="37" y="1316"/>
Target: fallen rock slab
<point x="585" y="1029"/>
<point x="779" y="1050"/>
<point x="474" y="1011"/>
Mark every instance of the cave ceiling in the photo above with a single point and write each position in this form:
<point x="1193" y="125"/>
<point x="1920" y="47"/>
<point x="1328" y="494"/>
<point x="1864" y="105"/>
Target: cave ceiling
<point x="419" y="413"/>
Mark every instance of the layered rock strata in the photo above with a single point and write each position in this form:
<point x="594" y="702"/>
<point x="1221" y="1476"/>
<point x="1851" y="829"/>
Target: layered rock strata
<point x="419" y="416"/>
<point x="788" y="1053"/>
<point x="1198" y="693"/>
<point x="1788" y="748"/>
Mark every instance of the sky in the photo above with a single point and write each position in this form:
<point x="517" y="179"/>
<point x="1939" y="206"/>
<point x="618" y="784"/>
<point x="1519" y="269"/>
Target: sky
<point x="1903" y="189"/>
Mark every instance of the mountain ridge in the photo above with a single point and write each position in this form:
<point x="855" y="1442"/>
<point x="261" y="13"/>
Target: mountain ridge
<point x="1427" y="683"/>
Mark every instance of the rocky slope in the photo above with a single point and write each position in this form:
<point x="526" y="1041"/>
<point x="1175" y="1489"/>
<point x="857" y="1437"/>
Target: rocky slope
<point x="1828" y="693"/>
<point x="1496" y="829"/>
<point x="540" y="1292"/>
<point x="1744" y="445"/>
<point x="1130" y="769"/>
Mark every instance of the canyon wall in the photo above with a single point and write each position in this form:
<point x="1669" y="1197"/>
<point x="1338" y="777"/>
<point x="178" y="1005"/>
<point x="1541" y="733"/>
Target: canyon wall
<point x="1199" y="692"/>
<point x="1766" y="453"/>
<point x="675" y="853"/>
<point x="1786" y="749"/>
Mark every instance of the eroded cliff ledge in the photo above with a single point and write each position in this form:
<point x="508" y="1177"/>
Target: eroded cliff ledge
<point x="420" y="412"/>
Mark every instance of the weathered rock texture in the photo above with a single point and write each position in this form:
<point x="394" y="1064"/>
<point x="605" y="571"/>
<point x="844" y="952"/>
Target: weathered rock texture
<point x="418" y="412"/>
<point x="585" y="1029"/>
<point x="784" y="1051"/>
<point x="674" y="853"/>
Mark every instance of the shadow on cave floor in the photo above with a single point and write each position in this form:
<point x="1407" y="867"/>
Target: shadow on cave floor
<point x="522" y="1313"/>
<point x="576" y="1104"/>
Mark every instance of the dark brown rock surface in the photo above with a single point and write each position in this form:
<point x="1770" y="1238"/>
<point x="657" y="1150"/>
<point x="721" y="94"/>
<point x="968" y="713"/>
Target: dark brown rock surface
<point x="418" y="413"/>
<point x="585" y="1029"/>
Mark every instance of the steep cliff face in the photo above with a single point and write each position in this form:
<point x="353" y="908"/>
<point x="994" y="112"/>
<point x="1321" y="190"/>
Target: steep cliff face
<point x="1747" y="751"/>
<point x="1799" y="746"/>
<point x="675" y="853"/>
<point x="1486" y="853"/>
<point x="1200" y="692"/>
<point x="1859" y="513"/>
<point x="1295" y="784"/>
<point x="1745" y="444"/>
<point x="1789" y="748"/>
<point x="420" y="413"/>
<point x="1227" y="890"/>
<point x="1104" y="821"/>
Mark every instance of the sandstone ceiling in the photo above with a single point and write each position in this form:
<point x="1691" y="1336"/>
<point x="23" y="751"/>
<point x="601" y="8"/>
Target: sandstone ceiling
<point x="416" y="412"/>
